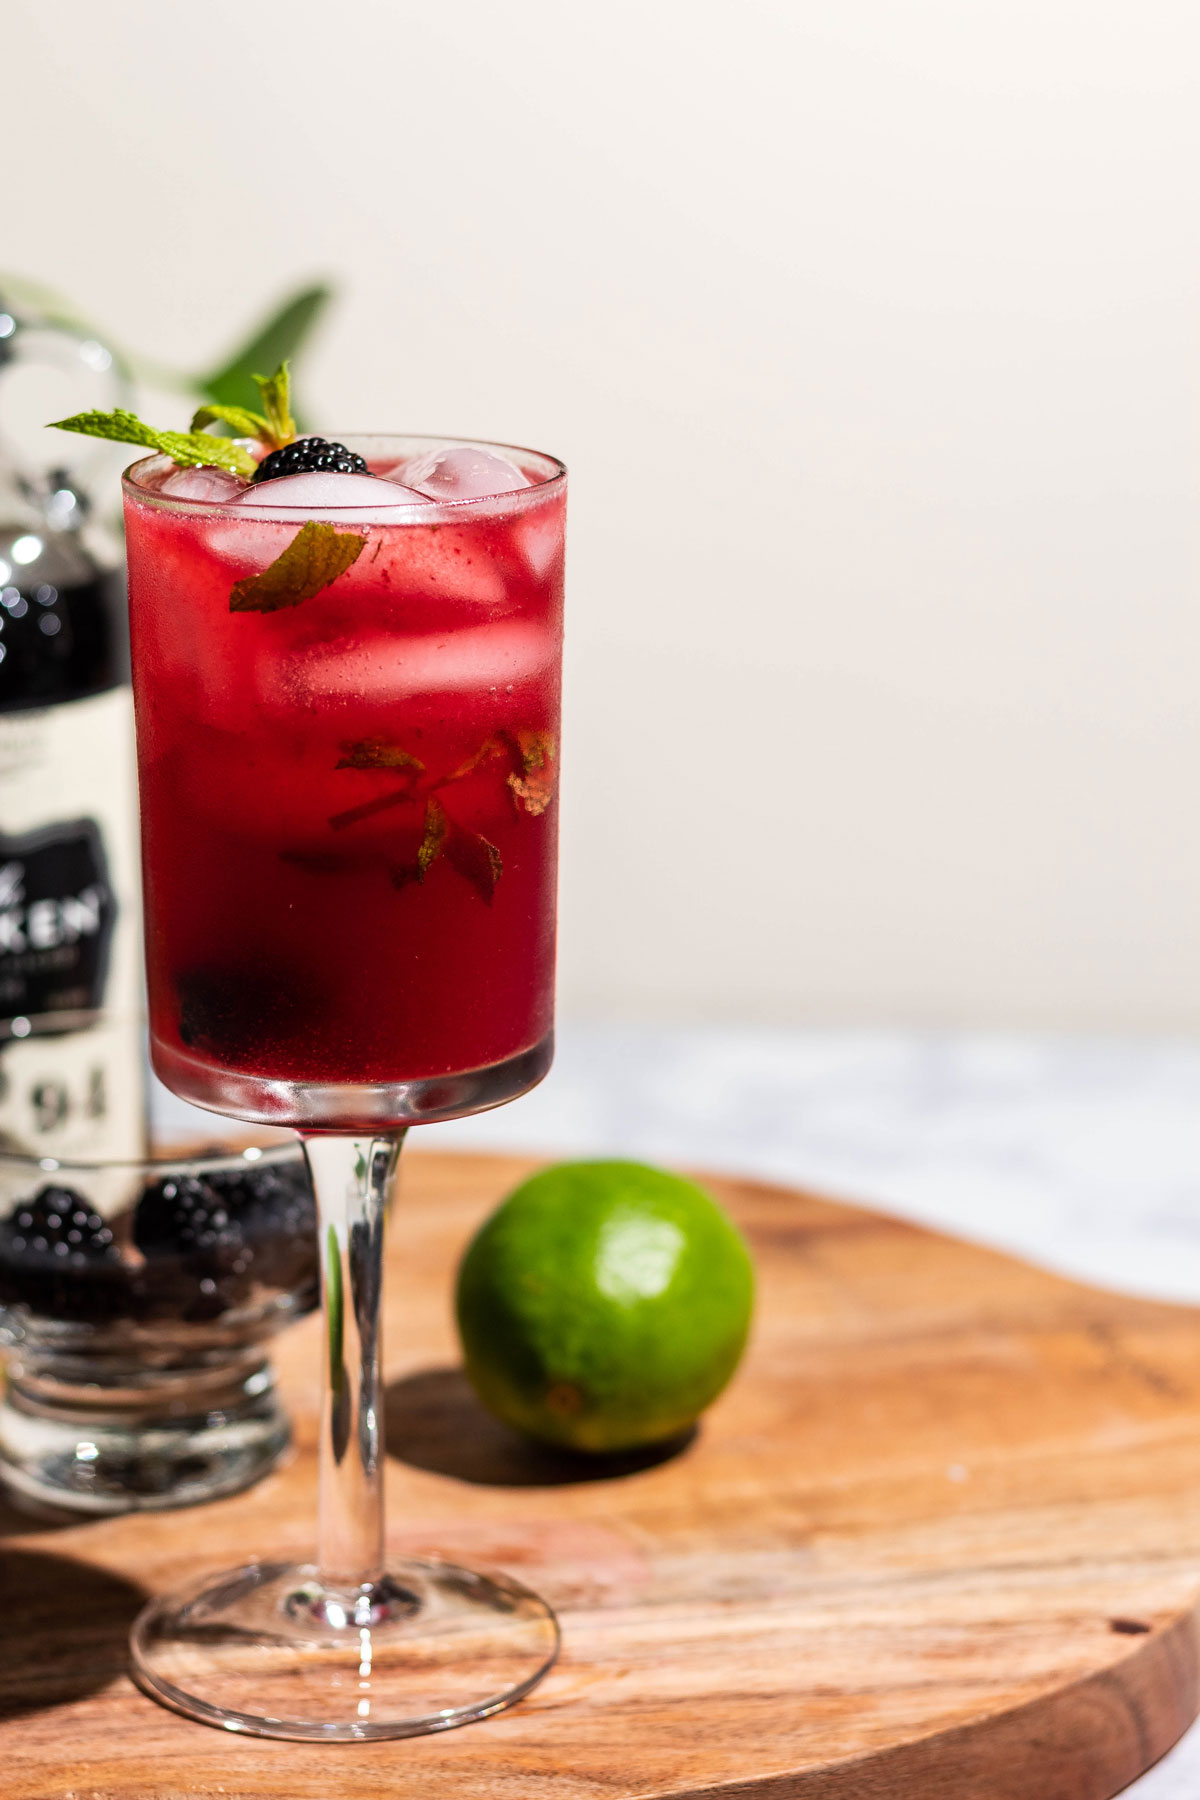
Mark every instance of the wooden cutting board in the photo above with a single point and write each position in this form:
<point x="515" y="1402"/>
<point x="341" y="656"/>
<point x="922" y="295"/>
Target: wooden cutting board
<point x="941" y="1538"/>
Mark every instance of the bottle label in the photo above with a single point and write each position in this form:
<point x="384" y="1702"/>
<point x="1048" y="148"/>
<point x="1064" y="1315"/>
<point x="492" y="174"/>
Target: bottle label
<point x="57" y="915"/>
<point x="71" y="1030"/>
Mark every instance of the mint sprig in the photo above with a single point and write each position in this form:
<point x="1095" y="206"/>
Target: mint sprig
<point x="198" y="448"/>
<point x="274" y="427"/>
<point x="190" y="449"/>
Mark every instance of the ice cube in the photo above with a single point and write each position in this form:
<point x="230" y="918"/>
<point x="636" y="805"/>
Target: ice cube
<point x="445" y="565"/>
<point x="358" y="499"/>
<point x="376" y="670"/>
<point x="539" y="533"/>
<point x="214" y="485"/>
<point x="463" y="472"/>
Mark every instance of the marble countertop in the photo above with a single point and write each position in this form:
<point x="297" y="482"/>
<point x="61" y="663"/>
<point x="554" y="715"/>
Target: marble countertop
<point x="1081" y="1153"/>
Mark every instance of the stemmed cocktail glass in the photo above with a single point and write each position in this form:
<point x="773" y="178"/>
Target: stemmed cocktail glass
<point x="347" y="717"/>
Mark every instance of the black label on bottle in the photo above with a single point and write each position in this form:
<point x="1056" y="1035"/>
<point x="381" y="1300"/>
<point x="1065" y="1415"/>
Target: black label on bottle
<point x="57" y="912"/>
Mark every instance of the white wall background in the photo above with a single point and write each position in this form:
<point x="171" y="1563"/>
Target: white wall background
<point x="869" y="331"/>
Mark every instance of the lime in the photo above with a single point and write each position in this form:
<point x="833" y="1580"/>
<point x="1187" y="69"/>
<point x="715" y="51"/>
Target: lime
<point x="604" y="1305"/>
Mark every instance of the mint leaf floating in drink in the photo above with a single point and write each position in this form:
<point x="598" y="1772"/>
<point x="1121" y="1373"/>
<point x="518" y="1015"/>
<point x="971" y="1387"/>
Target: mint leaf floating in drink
<point x="472" y="856"/>
<point x="190" y="449"/>
<point x="316" y="556"/>
<point x="433" y="840"/>
<point x="376" y="753"/>
<point x="533" y="788"/>
<point x="468" y="853"/>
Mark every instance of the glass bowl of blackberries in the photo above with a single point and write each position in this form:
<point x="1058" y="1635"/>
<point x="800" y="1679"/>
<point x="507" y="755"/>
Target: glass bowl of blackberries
<point x="137" y="1300"/>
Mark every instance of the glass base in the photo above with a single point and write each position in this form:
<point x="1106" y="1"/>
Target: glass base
<point x="115" y="1447"/>
<point x="270" y="1651"/>
<point x="342" y="1106"/>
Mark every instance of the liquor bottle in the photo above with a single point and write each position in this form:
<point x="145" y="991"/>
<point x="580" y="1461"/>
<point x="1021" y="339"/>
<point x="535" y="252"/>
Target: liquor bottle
<point x="72" y="1084"/>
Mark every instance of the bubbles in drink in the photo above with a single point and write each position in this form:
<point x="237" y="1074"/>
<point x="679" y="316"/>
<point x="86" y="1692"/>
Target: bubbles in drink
<point x="462" y="472"/>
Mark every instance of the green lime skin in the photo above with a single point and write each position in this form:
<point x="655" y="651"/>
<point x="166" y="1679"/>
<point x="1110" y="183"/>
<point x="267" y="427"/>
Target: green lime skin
<point x="604" y="1305"/>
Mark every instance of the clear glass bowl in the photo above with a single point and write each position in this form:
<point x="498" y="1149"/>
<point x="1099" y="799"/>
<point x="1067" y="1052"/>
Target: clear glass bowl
<point x="136" y="1299"/>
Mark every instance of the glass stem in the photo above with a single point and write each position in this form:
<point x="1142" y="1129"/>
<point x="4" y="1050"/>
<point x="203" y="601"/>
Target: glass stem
<point x="353" y="1179"/>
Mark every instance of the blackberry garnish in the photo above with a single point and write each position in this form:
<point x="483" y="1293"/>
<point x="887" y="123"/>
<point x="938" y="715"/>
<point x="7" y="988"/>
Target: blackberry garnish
<point x="307" y="454"/>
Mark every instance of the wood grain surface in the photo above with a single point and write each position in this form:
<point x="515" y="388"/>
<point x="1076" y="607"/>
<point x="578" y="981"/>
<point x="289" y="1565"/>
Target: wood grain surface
<point x="941" y="1538"/>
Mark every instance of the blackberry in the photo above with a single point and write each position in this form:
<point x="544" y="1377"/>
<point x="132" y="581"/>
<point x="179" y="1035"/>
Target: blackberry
<point x="307" y="454"/>
<point x="184" y="1215"/>
<point x="208" y="1239"/>
<point x="59" y="1223"/>
<point x="277" y="1213"/>
<point x="58" y="1258"/>
<point x="197" y="1265"/>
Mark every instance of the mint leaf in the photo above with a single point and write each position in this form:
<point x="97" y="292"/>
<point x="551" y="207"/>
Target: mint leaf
<point x="190" y="449"/>
<point x="474" y="857"/>
<point x="316" y="556"/>
<point x="433" y="841"/>
<point x="533" y="789"/>
<point x="243" y="422"/>
<point x="376" y="753"/>
<point x="274" y="390"/>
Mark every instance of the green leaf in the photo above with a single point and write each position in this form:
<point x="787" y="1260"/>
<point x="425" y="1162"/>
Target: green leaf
<point x="274" y="390"/>
<point x="334" y="1310"/>
<point x="377" y="753"/>
<point x="335" y="1315"/>
<point x="191" y="450"/>
<point x="433" y="841"/>
<point x="243" y="422"/>
<point x="316" y="556"/>
<point x="434" y="838"/>
<point x="278" y="337"/>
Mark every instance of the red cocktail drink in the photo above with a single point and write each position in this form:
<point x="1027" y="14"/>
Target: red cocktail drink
<point x="346" y="682"/>
<point x="348" y="799"/>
